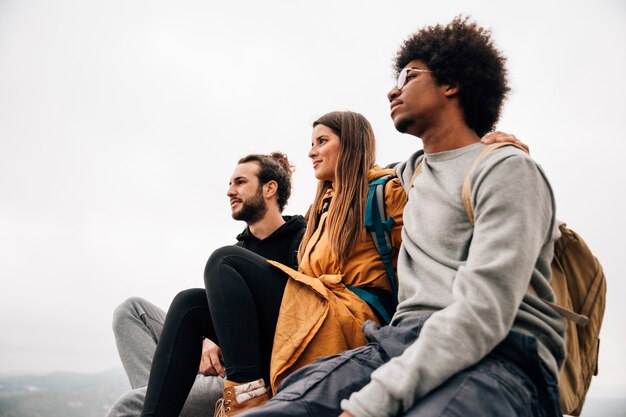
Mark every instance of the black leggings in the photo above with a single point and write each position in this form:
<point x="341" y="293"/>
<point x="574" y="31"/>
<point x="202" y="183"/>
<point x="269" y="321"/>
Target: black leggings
<point x="244" y="293"/>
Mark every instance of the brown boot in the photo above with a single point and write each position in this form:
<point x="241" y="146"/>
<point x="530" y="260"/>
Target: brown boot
<point x="241" y="397"/>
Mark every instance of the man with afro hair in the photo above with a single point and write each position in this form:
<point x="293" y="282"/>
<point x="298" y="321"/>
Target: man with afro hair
<point x="470" y="335"/>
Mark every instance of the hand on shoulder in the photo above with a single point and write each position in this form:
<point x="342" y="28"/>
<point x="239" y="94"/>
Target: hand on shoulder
<point x="498" y="137"/>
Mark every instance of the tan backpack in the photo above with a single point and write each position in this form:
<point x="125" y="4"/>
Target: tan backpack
<point x="579" y="285"/>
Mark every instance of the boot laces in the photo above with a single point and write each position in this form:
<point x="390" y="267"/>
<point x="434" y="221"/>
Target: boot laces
<point x="222" y="408"/>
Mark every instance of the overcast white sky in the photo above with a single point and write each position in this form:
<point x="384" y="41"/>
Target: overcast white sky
<point x="121" y="122"/>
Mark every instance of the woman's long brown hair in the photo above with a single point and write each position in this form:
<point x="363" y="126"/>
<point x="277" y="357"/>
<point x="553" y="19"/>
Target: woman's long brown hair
<point x="357" y="155"/>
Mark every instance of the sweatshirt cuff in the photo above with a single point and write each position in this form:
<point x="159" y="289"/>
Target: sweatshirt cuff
<point x="371" y="401"/>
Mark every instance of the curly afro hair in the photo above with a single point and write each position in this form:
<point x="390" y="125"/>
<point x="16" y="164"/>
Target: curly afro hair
<point x="462" y="53"/>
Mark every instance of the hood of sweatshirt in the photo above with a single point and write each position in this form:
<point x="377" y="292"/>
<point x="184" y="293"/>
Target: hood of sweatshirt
<point x="292" y="223"/>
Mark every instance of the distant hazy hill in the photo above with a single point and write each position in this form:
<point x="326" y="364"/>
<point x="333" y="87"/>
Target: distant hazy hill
<point x="60" y="394"/>
<point x="64" y="394"/>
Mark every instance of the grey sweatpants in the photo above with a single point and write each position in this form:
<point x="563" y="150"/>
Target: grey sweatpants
<point x="137" y="326"/>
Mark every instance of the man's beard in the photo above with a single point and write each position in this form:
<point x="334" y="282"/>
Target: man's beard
<point x="252" y="210"/>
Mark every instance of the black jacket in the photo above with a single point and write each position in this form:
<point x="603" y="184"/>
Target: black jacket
<point x="280" y="246"/>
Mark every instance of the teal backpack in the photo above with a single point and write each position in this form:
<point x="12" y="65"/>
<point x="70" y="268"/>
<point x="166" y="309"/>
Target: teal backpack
<point x="379" y="225"/>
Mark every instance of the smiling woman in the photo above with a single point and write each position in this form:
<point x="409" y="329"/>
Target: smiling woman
<point x="324" y="152"/>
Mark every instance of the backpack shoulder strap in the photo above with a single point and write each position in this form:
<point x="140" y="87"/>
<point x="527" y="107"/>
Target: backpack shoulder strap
<point x="379" y="228"/>
<point x="418" y="170"/>
<point x="465" y="191"/>
<point x="373" y="301"/>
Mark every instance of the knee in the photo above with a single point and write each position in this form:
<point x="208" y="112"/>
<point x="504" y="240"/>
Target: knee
<point x="219" y="257"/>
<point x="187" y="300"/>
<point x="128" y="309"/>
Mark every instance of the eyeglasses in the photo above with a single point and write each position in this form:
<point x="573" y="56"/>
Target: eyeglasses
<point x="402" y="77"/>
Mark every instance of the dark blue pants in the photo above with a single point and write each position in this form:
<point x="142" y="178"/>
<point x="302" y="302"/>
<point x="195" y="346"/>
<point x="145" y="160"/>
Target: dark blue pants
<point x="510" y="381"/>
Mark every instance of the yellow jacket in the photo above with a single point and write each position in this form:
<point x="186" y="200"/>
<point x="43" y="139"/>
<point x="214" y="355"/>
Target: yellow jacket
<point x="319" y="316"/>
